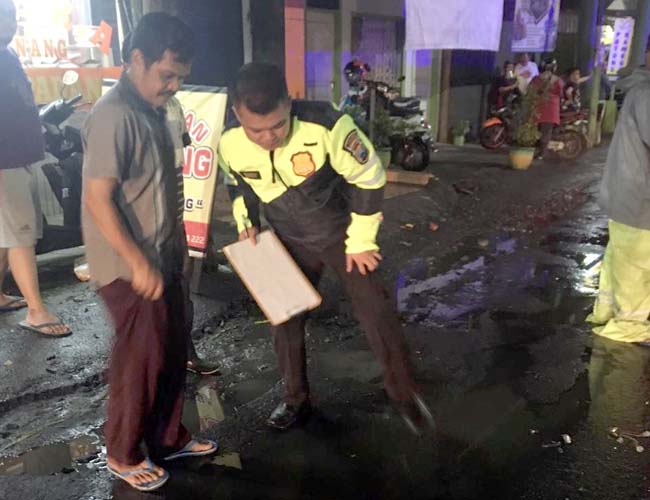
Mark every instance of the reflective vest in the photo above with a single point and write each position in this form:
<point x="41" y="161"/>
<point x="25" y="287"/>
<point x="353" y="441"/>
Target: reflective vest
<point x="325" y="184"/>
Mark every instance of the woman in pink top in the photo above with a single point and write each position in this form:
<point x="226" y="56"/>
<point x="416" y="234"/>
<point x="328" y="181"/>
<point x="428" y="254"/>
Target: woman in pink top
<point x="549" y="87"/>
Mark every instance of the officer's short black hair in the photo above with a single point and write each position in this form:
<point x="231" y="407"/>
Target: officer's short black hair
<point x="261" y="87"/>
<point x="157" y="32"/>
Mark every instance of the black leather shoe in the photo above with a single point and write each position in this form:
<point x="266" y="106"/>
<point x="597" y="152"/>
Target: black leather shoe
<point x="286" y="416"/>
<point x="417" y="416"/>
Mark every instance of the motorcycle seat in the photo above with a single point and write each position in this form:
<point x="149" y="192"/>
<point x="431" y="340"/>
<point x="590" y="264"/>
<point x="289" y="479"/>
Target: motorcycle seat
<point x="399" y="103"/>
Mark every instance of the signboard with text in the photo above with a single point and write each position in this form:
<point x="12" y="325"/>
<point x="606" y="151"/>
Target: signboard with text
<point x="620" y="49"/>
<point x="205" y="113"/>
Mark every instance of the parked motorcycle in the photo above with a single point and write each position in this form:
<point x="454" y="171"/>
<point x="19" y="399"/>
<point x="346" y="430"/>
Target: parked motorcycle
<point x="410" y="139"/>
<point x="497" y="129"/>
<point x="63" y="171"/>
<point x="569" y="140"/>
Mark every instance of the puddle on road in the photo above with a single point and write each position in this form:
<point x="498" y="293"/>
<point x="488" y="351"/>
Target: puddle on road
<point x="87" y="452"/>
<point x="507" y="278"/>
<point x="84" y="452"/>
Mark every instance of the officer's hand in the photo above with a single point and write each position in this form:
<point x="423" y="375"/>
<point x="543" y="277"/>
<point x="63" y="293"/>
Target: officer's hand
<point x="366" y="262"/>
<point x="147" y="280"/>
<point x="249" y="234"/>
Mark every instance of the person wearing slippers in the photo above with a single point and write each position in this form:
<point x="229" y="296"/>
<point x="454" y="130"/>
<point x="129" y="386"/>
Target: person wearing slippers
<point x="132" y="222"/>
<point x="181" y="139"/>
<point x="21" y="145"/>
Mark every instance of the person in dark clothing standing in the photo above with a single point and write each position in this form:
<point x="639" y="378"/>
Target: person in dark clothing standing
<point x="549" y="88"/>
<point x="504" y="88"/>
<point x="132" y="222"/>
<point x="321" y="184"/>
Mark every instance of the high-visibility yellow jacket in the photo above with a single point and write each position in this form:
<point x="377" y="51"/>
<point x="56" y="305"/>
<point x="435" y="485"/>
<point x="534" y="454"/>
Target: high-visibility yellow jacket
<point x="325" y="182"/>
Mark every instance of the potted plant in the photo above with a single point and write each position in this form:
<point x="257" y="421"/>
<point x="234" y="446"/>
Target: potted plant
<point x="459" y="131"/>
<point x="525" y="133"/>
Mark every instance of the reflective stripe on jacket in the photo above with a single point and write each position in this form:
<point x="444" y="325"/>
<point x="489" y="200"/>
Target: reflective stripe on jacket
<point x="326" y="182"/>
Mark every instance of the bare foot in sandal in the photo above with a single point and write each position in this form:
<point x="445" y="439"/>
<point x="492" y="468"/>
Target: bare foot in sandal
<point x="150" y="472"/>
<point x="45" y="323"/>
<point x="10" y="304"/>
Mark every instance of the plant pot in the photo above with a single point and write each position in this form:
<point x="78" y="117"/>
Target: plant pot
<point x="521" y="158"/>
<point x="459" y="140"/>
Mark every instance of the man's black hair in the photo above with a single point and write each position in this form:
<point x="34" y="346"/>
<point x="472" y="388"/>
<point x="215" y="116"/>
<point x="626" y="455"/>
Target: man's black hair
<point x="157" y="32"/>
<point x="261" y="87"/>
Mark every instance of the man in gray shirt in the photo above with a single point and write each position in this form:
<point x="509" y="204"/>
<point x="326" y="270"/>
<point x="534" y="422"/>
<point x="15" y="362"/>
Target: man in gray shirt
<point x="132" y="221"/>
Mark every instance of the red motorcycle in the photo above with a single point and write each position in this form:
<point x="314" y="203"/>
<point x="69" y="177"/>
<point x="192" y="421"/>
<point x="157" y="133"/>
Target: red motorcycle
<point x="496" y="130"/>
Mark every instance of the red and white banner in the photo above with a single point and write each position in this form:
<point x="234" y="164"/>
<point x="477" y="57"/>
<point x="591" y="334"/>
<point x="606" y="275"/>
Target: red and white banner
<point x="205" y="113"/>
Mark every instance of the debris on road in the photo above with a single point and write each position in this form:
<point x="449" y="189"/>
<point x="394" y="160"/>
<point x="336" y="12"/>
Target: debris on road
<point x="408" y="226"/>
<point x="232" y="460"/>
<point x="567" y="439"/>
<point x="9" y="363"/>
<point x="433" y="227"/>
<point x="622" y="436"/>
<point x="483" y="243"/>
<point x="466" y="186"/>
<point x="82" y="271"/>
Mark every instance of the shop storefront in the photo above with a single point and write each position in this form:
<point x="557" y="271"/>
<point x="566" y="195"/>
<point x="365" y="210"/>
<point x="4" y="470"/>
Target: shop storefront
<point x="55" y="36"/>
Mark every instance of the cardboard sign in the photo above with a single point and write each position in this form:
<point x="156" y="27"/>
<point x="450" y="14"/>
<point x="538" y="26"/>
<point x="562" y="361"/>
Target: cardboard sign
<point x="273" y="278"/>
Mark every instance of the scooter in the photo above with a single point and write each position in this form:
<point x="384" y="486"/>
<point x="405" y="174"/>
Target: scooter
<point x="569" y="140"/>
<point x="62" y="168"/>
<point x="496" y="130"/>
<point x="411" y="142"/>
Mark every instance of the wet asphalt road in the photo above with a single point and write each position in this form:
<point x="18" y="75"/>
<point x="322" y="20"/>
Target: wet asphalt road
<point x="524" y="396"/>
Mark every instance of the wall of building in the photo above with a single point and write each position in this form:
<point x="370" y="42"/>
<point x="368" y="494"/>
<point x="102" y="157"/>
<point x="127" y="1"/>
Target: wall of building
<point x="467" y="103"/>
<point x="294" y="27"/>
<point x="219" y="37"/>
<point x="267" y="25"/>
<point x="348" y="8"/>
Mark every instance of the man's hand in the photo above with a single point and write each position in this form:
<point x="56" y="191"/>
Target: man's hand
<point x="366" y="262"/>
<point x="249" y="234"/>
<point x="147" y="280"/>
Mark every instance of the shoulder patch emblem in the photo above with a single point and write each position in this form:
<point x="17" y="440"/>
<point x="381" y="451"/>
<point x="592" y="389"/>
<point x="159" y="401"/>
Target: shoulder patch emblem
<point x="355" y="146"/>
<point x="303" y="164"/>
<point x="251" y="174"/>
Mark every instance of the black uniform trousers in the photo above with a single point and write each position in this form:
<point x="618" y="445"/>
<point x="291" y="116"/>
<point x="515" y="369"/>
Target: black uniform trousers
<point x="373" y="307"/>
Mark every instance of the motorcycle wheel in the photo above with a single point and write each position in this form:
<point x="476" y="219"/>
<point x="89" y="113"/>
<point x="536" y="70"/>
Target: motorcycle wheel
<point x="493" y="137"/>
<point x="411" y="153"/>
<point x="574" y="144"/>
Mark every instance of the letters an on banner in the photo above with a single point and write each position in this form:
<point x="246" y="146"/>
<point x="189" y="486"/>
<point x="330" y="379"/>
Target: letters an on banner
<point x="205" y="113"/>
<point x="536" y="25"/>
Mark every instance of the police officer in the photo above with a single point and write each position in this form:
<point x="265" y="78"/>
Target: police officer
<point x="321" y="185"/>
